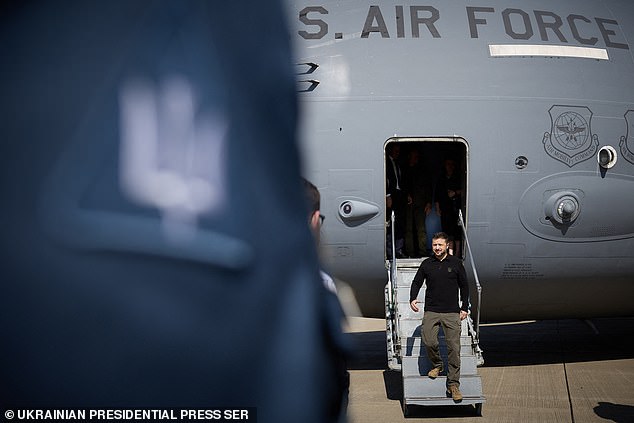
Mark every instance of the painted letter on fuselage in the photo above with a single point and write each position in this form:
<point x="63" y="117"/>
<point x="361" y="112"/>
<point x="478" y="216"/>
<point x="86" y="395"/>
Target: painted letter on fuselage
<point x="429" y="22"/>
<point x="575" y="31"/>
<point x="473" y="21"/>
<point x="374" y="14"/>
<point x="607" y="32"/>
<point x="508" y="26"/>
<point x="323" y="26"/>
<point x="555" y="25"/>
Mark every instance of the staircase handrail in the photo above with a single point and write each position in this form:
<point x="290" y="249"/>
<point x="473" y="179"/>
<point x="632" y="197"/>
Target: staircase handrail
<point x="475" y="273"/>
<point x="393" y="277"/>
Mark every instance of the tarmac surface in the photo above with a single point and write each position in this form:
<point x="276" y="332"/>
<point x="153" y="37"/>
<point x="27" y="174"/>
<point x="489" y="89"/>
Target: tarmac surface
<point x="570" y="371"/>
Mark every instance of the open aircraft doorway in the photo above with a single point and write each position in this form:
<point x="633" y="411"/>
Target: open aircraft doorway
<point x="425" y="186"/>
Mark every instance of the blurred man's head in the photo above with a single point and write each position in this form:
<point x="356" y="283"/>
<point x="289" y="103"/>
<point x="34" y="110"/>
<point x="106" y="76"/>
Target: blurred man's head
<point x="313" y="199"/>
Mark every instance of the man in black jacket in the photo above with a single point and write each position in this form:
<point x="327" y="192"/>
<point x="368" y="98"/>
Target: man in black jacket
<point x="445" y="276"/>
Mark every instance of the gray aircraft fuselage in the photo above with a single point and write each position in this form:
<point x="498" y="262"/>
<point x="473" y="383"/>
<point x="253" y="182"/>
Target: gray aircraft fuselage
<point x="533" y="93"/>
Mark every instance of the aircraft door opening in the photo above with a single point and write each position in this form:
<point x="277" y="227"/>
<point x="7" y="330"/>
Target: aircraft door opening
<point x="426" y="187"/>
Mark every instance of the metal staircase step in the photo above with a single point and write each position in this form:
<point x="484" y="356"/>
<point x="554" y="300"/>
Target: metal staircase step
<point x="425" y="391"/>
<point x="406" y="351"/>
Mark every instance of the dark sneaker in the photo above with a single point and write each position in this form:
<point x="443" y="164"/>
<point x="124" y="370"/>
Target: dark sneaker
<point x="455" y="393"/>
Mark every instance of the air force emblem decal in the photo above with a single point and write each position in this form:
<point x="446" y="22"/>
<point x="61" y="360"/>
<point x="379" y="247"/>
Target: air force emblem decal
<point x="570" y="139"/>
<point x="626" y="151"/>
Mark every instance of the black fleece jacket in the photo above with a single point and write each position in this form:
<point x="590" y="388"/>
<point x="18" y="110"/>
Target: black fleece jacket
<point x="444" y="279"/>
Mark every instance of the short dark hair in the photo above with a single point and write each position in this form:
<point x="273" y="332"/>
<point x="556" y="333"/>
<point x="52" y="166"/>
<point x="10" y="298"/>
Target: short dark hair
<point x="312" y="196"/>
<point x="441" y="235"/>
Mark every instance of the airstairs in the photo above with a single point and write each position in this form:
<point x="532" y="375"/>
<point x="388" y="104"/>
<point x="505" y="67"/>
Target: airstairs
<point x="406" y="352"/>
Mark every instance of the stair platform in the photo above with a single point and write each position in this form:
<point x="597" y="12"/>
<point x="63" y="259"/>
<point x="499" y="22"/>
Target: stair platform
<point x="434" y="392"/>
<point x="410" y="356"/>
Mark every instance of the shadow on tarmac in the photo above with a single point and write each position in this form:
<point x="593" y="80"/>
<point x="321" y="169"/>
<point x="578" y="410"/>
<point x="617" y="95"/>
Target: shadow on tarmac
<point x="615" y="412"/>
<point x="521" y="344"/>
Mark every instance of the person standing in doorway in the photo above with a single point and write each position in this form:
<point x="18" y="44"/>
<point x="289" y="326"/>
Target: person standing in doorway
<point x="417" y="188"/>
<point x="449" y="197"/>
<point x="445" y="277"/>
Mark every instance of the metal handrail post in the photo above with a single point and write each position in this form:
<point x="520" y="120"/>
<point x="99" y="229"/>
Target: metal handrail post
<point x="475" y="272"/>
<point x="392" y="220"/>
<point x="393" y="261"/>
<point x="393" y="276"/>
<point x="393" y="266"/>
